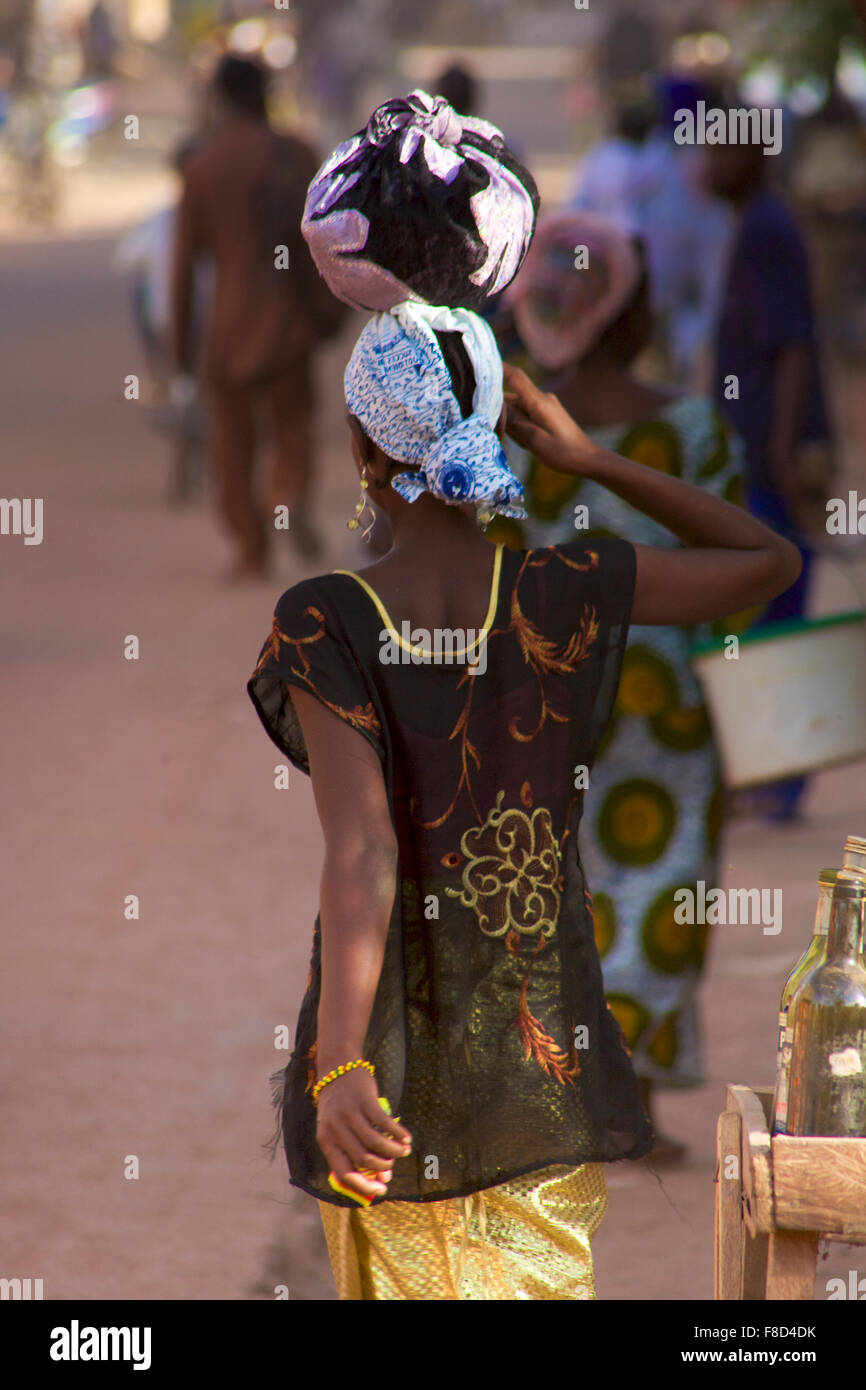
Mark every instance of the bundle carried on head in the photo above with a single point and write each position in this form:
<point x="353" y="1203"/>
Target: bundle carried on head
<point x="424" y="204"/>
<point x="421" y="217"/>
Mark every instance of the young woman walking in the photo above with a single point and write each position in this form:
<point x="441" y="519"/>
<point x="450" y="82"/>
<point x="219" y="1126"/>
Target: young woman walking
<point x="448" y="703"/>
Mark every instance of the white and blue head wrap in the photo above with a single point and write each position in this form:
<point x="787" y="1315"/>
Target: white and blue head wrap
<point x="399" y="387"/>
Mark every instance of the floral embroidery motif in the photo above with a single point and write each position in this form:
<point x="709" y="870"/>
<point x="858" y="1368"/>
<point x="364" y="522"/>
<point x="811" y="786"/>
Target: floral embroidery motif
<point x="510" y="862"/>
<point x="539" y="653"/>
<point x="510" y="878"/>
<point x="359" y="716"/>
<point x="312" y="1066"/>
<point x="542" y="655"/>
<point x="271" y="649"/>
<point x="539" y="1045"/>
<point x="512" y="882"/>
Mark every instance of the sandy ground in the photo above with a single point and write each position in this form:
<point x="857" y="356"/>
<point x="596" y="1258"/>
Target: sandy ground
<point x="154" y="1037"/>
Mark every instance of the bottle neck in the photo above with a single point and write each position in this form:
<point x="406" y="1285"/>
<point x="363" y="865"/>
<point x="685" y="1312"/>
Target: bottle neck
<point x="845" y="940"/>
<point x="824" y="909"/>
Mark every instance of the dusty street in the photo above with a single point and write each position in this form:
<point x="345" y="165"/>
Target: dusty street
<point x="154" y="1037"/>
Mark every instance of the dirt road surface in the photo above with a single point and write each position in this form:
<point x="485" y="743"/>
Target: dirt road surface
<point x="153" y="1038"/>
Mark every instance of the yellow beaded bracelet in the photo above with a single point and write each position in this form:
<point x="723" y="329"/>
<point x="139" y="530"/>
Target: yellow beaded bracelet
<point x="341" y="1071"/>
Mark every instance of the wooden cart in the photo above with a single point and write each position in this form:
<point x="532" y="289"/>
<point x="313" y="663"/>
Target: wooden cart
<point x="776" y="1195"/>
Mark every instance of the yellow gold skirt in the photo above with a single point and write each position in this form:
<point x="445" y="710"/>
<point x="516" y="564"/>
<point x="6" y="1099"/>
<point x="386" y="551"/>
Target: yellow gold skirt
<point x="526" y="1239"/>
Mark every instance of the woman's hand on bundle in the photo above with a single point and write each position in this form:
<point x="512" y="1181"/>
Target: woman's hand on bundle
<point x="538" y="422"/>
<point x="731" y="559"/>
<point x="355" y="1133"/>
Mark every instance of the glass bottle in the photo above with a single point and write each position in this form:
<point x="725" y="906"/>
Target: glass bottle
<point x="827" y="1087"/>
<point x="854" y="860"/>
<point x="813" y="954"/>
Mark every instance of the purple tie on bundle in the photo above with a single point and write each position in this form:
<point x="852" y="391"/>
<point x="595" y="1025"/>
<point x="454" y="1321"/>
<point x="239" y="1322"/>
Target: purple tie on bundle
<point x="423" y="205"/>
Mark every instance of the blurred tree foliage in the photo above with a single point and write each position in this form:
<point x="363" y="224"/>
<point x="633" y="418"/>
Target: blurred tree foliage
<point x="804" y="37"/>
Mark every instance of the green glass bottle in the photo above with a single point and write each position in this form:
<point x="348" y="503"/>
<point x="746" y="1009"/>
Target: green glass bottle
<point x="813" y="954"/>
<point x="853" y="860"/>
<point x="827" y="1088"/>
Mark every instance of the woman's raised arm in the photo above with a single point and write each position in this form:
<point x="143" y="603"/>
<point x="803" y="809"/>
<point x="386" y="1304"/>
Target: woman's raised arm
<point x="733" y="560"/>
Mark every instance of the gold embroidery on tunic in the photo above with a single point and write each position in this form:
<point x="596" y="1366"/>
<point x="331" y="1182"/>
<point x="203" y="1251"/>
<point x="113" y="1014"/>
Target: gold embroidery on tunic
<point x="510" y="876"/>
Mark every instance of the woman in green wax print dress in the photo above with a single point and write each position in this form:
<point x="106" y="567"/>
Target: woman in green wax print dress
<point x="653" y="810"/>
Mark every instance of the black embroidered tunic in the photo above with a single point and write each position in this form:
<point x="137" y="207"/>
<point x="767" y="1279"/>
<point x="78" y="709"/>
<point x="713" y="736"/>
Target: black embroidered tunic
<point x="489" y="1032"/>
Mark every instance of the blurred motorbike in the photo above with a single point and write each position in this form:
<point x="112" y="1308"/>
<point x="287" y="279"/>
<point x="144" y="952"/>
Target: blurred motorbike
<point x="174" y="404"/>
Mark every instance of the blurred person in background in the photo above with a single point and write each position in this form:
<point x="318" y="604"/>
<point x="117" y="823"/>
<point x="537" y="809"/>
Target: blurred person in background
<point x="768" y="382"/>
<point x="652" y="812"/>
<point x="610" y="180"/>
<point x="98" y="43"/>
<point x="146" y="253"/>
<point x="459" y="88"/>
<point x="649" y="185"/>
<point x="243" y="197"/>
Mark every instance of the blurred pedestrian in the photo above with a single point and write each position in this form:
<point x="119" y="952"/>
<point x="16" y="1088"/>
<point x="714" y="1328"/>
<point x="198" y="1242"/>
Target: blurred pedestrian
<point x="652" y="811"/>
<point x="243" y="197"/>
<point x="98" y="43"/>
<point x="768" y="381"/>
<point x="650" y="186"/>
<point x="146" y="253"/>
<point x="459" y="88"/>
<point x="611" y="177"/>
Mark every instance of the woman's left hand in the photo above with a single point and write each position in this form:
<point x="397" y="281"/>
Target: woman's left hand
<point x="358" y="1137"/>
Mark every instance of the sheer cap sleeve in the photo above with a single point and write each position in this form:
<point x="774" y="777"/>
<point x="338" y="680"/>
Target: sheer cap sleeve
<point x="307" y="649"/>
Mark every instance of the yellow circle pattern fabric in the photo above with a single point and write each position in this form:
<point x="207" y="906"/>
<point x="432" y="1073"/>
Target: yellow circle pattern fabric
<point x="604" y="922"/>
<point x="636" y="821"/>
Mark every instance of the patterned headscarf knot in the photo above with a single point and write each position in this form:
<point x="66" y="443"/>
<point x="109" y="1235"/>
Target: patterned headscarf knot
<point x="468" y="464"/>
<point x="399" y="388"/>
<point x="421" y="119"/>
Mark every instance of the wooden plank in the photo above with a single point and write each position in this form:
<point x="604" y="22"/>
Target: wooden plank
<point x="757" y="1162"/>
<point x="791" y="1260"/>
<point x="767" y="1097"/>
<point x="728" y="1271"/>
<point x="820" y="1184"/>
<point x="756" y="1251"/>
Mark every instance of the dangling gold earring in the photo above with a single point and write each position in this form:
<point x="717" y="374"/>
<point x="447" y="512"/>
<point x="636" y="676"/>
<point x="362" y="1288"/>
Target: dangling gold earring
<point x="360" y="507"/>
